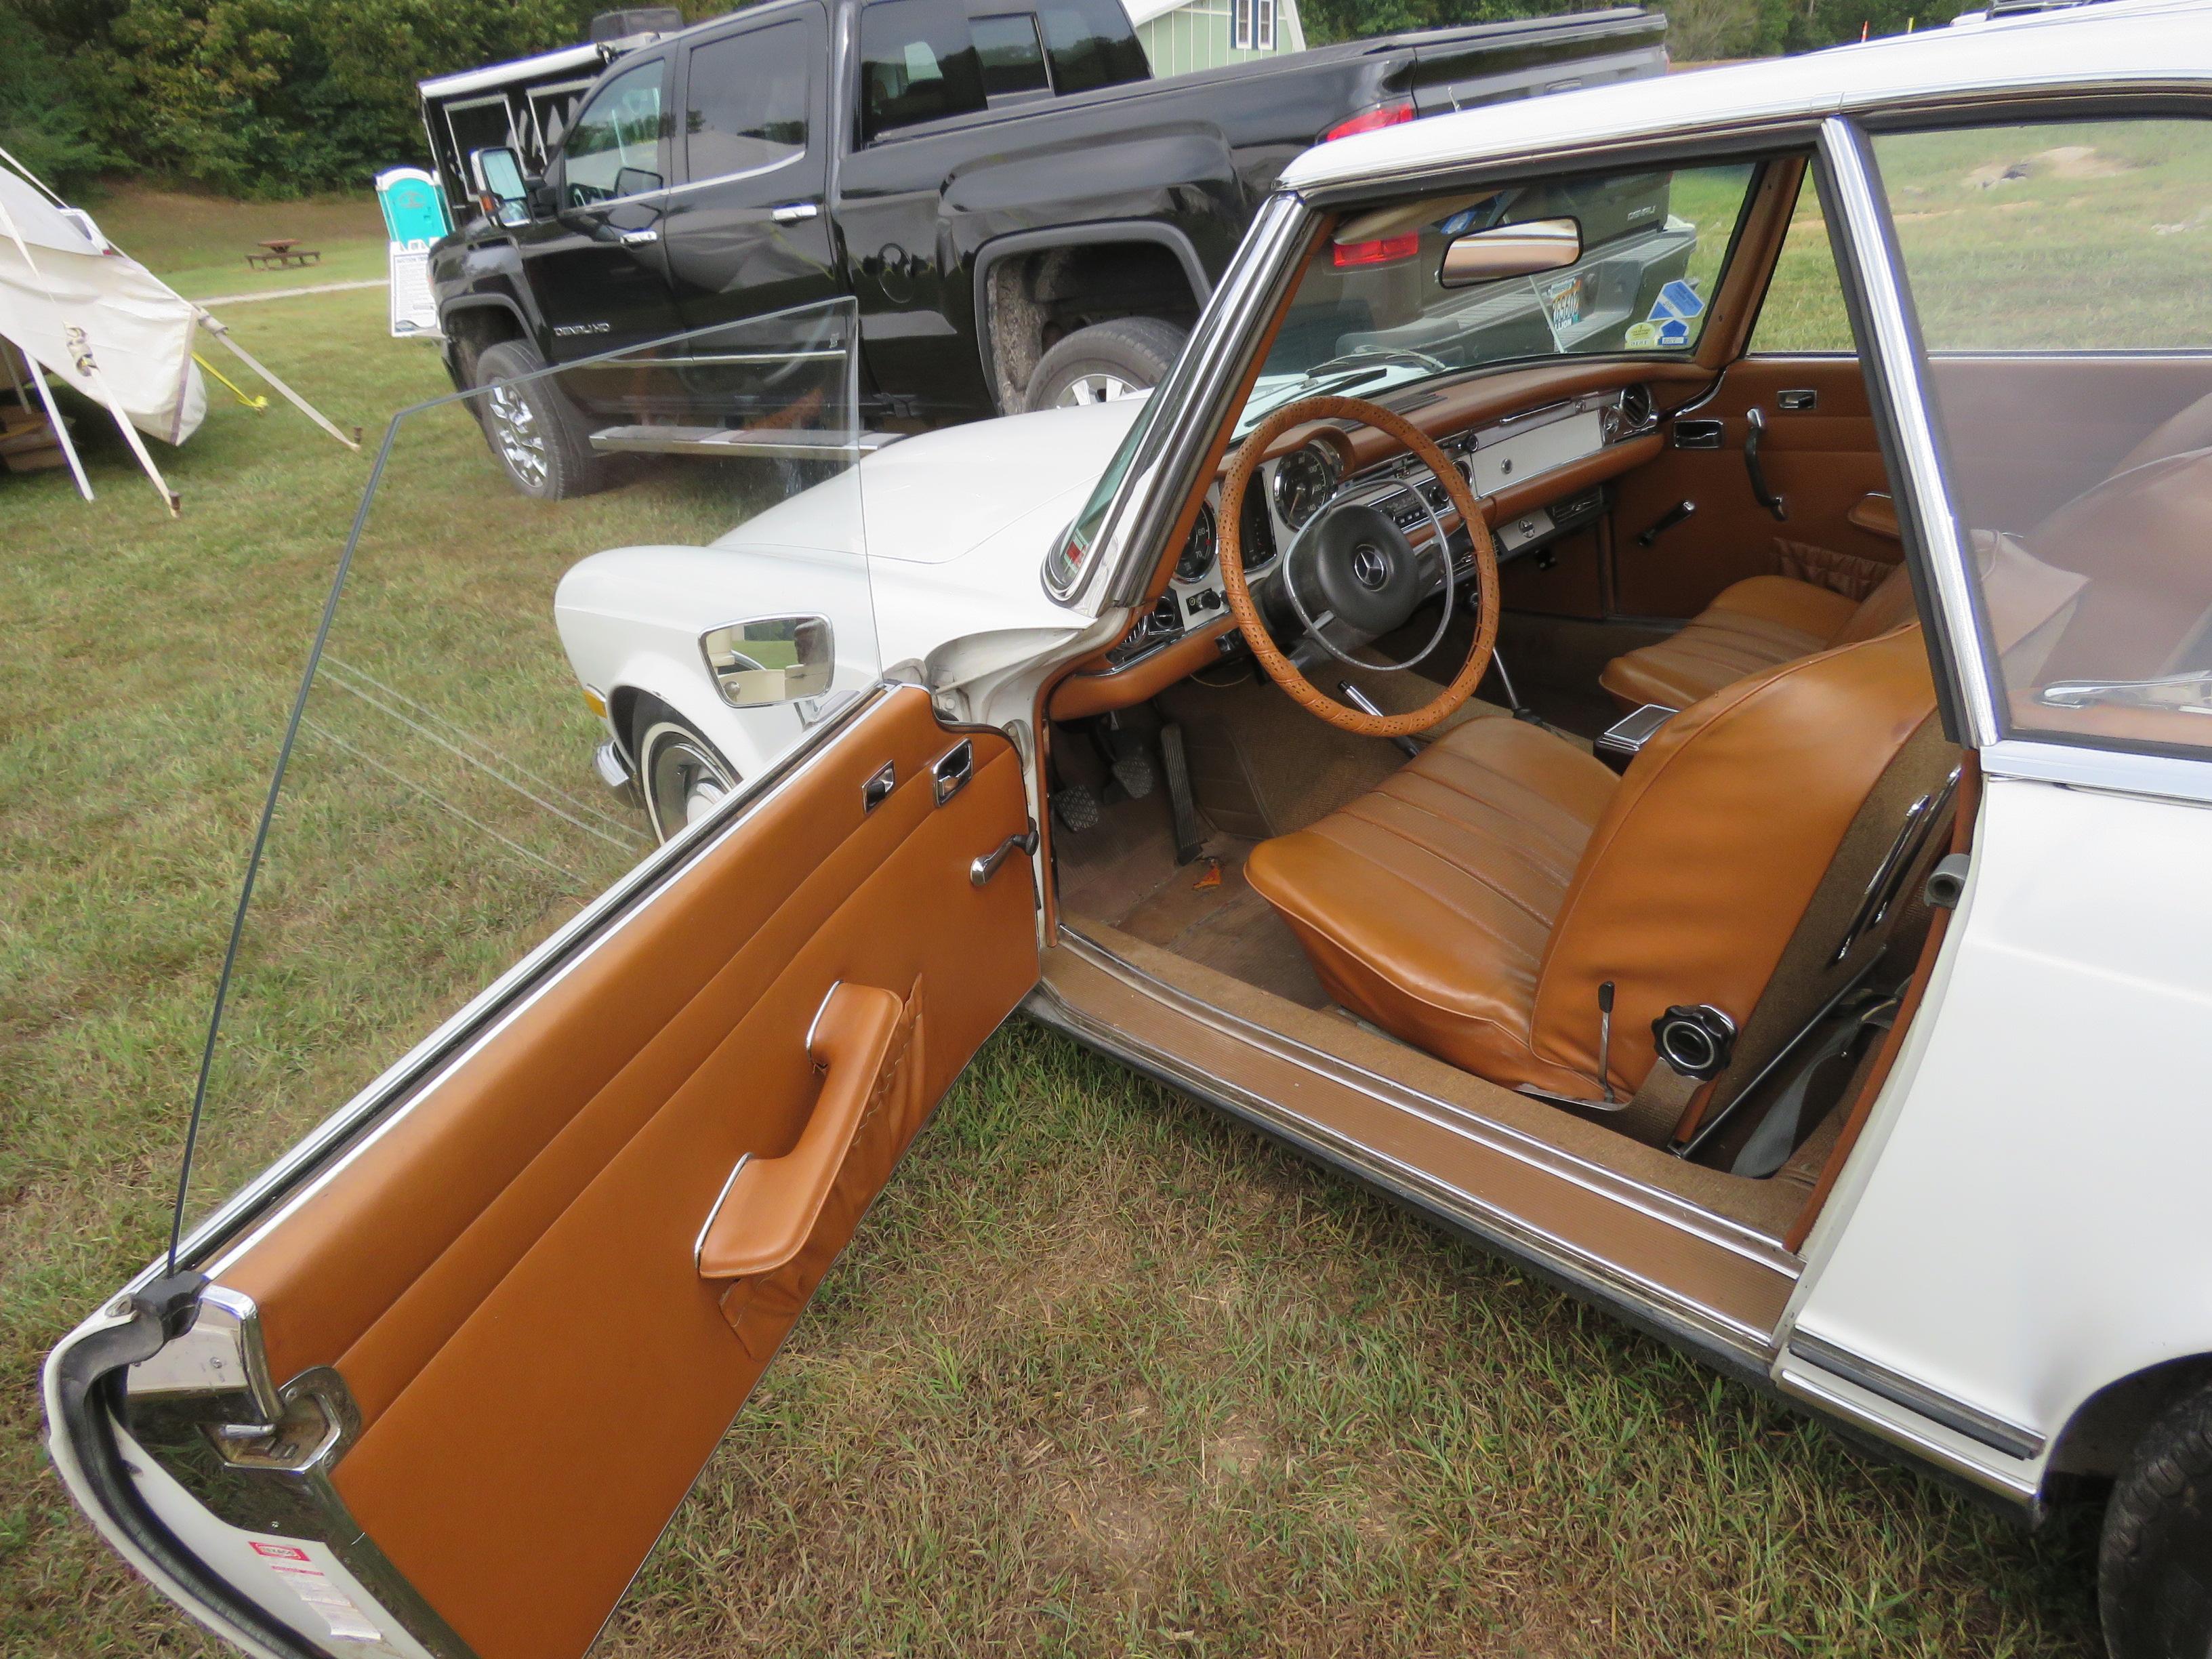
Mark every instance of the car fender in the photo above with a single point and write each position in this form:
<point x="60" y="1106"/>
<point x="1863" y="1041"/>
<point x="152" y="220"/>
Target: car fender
<point x="630" y="620"/>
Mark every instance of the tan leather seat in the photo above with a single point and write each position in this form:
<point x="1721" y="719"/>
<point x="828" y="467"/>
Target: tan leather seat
<point x="1754" y="624"/>
<point x="1472" y="904"/>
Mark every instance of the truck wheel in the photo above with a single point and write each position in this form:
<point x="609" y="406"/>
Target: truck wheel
<point x="1096" y="364"/>
<point x="537" y="436"/>
<point x="682" y="776"/>
<point x="2154" y="1567"/>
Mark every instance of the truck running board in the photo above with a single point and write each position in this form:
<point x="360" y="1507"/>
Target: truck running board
<point x="793" y="444"/>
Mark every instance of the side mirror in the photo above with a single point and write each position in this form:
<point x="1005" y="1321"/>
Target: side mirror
<point x="1484" y="256"/>
<point x="500" y="184"/>
<point x="769" y="659"/>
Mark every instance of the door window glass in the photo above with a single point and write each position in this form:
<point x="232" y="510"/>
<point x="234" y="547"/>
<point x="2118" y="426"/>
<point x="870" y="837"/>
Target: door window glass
<point x="1090" y="45"/>
<point x="745" y="107"/>
<point x="477" y="755"/>
<point x="2057" y="274"/>
<point x="1804" y="307"/>
<point x="1012" y="60"/>
<point x="917" y="63"/>
<point x="615" y="147"/>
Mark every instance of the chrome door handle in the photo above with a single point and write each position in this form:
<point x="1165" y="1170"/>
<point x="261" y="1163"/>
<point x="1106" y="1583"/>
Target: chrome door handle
<point x="792" y="213"/>
<point x="953" y="770"/>
<point x="640" y="238"/>
<point x="982" y="870"/>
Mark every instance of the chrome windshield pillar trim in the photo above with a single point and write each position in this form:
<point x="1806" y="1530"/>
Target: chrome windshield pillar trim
<point x="1138" y="518"/>
<point x="1925" y="493"/>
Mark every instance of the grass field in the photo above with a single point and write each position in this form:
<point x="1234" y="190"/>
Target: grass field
<point x="1101" y="1374"/>
<point x="199" y="243"/>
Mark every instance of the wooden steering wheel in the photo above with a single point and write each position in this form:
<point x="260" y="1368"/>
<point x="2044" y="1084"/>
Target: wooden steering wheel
<point x="1386" y="549"/>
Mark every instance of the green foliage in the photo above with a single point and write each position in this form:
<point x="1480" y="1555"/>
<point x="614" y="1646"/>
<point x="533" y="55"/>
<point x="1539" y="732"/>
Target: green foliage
<point x="285" y="97"/>
<point x="267" y="97"/>
<point x="1698" y="30"/>
<point x="47" y="134"/>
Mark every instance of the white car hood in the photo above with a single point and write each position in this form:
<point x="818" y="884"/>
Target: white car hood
<point x="939" y="497"/>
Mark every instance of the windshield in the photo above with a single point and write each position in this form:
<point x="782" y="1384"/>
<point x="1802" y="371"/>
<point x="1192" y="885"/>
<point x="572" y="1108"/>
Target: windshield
<point x="1372" y="314"/>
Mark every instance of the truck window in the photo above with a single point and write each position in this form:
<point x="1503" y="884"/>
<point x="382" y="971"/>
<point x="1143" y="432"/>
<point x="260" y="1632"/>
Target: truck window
<point x="1090" y="45"/>
<point x="614" y="149"/>
<point x="917" y="63"/>
<point x="1013" y="58"/>
<point x="745" y="101"/>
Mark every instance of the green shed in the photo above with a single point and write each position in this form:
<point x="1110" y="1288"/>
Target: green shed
<point x="1183" y="36"/>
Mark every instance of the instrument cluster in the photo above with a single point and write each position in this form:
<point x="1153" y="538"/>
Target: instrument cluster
<point x="1288" y="491"/>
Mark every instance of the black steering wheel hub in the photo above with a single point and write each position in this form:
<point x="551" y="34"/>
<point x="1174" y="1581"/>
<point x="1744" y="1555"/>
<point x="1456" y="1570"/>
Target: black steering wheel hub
<point x="1356" y="564"/>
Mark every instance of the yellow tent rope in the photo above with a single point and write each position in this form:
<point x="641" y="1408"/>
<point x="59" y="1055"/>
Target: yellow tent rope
<point x="250" y="402"/>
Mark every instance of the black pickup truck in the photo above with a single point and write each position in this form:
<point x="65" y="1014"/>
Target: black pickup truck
<point x="1019" y="213"/>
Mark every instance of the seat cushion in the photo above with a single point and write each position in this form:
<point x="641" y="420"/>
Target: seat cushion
<point x="1425" y="905"/>
<point x="1754" y="625"/>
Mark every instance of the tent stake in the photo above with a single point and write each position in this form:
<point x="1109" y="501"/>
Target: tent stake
<point x="208" y="322"/>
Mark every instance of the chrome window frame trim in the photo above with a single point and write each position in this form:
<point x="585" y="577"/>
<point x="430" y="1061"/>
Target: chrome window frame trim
<point x="1900" y="370"/>
<point x="2109" y="770"/>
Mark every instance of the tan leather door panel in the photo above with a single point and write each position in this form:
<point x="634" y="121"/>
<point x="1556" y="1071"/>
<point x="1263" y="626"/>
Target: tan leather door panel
<point x="1823" y="463"/>
<point x="508" y="1273"/>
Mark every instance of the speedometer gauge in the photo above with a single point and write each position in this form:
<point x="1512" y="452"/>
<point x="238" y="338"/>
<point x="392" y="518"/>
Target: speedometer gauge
<point x="1303" y="479"/>
<point x="1198" y="552"/>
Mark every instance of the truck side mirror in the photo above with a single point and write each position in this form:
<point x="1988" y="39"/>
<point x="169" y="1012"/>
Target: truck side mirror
<point x="1484" y="256"/>
<point x="500" y="186"/>
<point x="770" y="660"/>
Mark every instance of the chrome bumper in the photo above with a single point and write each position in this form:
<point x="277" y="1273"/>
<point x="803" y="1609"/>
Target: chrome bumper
<point x="612" y="767"/>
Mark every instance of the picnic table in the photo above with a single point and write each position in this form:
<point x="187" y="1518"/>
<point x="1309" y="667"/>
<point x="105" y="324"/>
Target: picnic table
<point x="283" y="250"/>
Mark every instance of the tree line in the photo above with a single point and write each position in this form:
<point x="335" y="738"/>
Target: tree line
<point x="277" y="98"/>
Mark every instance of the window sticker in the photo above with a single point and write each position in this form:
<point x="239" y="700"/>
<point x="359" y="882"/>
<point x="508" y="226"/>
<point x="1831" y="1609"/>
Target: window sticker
<point x="313" y="1585"/>
<point x="1669" y="320"/>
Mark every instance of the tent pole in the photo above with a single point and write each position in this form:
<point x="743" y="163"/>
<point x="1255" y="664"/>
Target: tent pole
<point x="61" y="433"/>
<point x="208" y="322"/>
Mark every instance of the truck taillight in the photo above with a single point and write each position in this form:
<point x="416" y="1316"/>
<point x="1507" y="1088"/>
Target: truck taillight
<point x="1381" y="252"/>
<point x="1371" y="120"/>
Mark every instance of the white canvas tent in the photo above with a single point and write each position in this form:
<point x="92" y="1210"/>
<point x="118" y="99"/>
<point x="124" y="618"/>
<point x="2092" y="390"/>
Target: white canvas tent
<point x="80" y="310"/>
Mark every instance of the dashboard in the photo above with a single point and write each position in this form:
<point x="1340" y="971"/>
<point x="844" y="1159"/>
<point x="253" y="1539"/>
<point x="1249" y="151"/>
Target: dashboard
<point x="1514" y="452"/>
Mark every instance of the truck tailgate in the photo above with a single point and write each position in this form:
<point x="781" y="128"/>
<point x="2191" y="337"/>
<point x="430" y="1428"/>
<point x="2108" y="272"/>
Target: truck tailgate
<point x="1490" y="63"/>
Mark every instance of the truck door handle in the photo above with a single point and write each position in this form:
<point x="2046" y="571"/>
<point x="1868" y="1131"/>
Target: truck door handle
<point x="792" y="213"/>
<point x="640" y="238"/>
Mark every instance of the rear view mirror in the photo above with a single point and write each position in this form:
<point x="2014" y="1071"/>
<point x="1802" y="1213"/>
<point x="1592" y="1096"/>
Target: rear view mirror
<point x="769" y="659"/>
<point x="505" y="191"/>
<point x="1484" y="256"/>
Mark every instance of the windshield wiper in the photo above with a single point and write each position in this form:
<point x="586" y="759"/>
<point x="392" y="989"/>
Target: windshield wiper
<point x="2187" y="694"/>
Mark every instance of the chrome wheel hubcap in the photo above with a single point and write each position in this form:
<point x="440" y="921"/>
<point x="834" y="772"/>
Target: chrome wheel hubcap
<point x="1096" y="388"/>
<point x="515" y="431"/>
<point x="683" y="784"/>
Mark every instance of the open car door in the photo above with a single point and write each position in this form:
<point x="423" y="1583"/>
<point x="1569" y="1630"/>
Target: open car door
<point x="435" y="1382"/>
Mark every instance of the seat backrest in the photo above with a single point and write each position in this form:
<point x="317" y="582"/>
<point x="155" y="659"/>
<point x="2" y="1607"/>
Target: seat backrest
<point x="1708" y="853"/>
<point x="1890" y="605"/>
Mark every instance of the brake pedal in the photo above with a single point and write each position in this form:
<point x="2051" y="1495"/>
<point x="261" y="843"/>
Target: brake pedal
<point x="1077" y="806"/>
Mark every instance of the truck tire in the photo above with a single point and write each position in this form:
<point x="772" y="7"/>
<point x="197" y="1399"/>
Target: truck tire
<point x="2154" y="1565"/>
<point x="537" y="436"/>
<point x="1107" y="361"/>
